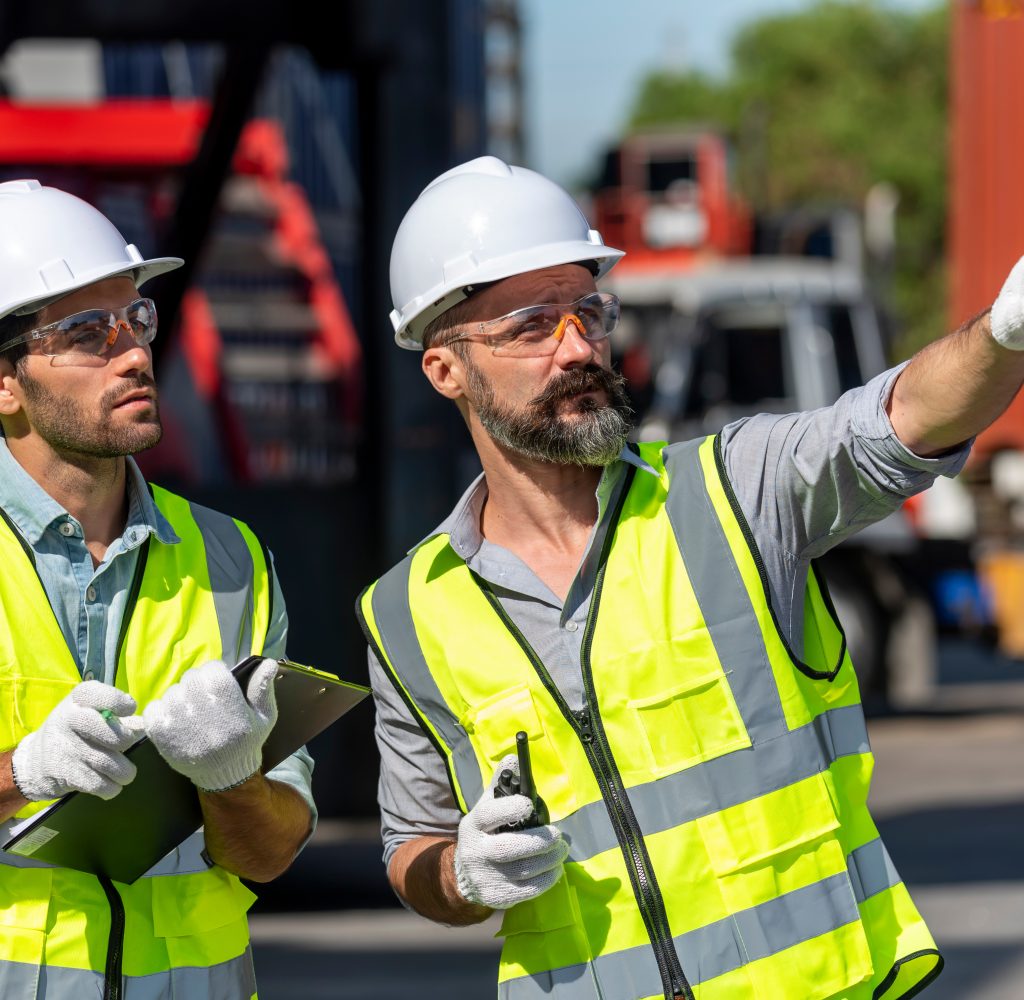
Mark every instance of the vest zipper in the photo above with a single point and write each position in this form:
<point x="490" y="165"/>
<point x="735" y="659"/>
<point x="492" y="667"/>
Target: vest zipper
<point x="112" y="976"/>
<point x="589" y="729"/>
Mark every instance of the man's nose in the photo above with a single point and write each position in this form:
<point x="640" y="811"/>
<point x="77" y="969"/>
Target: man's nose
<point x="125" y="351"/>
<point x="115" y="332"/>
<point x="573" y="346"/>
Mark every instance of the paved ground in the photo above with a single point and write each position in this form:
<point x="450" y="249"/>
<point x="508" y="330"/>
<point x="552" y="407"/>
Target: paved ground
<point x="948" y="795"/>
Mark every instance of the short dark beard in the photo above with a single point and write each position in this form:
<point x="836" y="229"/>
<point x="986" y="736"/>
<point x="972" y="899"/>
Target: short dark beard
<point x="66" y="427"/>
<point x="593" y="435"/>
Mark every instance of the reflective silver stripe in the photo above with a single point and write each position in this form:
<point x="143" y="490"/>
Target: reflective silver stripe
<point x="723" y="781"/>
<point x="402" y="648"/>
<point x="231" y="980"/>
<point x="871" y="870"/>
<point x="229" y="563"/>
<point x="705" y="953"/>
<point x="184" y="859"/>
<point x="17" y="861"/>
<point x="721" y="594"/>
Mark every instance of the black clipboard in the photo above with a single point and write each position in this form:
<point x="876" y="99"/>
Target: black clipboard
<point x="125" y="836"/>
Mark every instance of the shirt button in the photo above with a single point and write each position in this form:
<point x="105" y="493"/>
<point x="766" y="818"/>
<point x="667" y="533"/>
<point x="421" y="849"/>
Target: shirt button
<point x="67" y="529"/>
<point x="91" y="593"/>
<point x="571" y="626"/>
<point x="89" y="675"/>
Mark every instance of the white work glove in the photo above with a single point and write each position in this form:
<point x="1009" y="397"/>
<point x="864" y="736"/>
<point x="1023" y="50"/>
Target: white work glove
<point x="499" y="870"/>
<point x="1007" y="316"/>
<point x="77" y="749"/>
<point x="208" y="730"/>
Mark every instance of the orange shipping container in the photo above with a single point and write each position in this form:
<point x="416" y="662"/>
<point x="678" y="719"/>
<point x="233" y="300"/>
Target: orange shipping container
<point x="987" y="170"/>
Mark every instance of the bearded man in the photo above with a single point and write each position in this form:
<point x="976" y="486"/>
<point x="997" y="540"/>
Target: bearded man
<point x="649" y="615"/>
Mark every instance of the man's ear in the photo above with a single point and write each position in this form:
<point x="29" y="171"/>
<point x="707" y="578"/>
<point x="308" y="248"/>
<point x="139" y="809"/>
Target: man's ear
<point x="9" y="402"/>
<point x="444" y="371"/>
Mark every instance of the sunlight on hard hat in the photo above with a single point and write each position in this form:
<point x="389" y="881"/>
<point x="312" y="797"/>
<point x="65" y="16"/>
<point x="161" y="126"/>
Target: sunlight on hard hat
<point x="479" y="223"/>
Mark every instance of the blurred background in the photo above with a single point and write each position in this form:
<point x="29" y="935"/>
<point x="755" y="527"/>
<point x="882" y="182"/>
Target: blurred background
<point x="808" y="192"/>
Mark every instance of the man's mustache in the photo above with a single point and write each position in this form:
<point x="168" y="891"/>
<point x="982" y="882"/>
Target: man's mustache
<point x="591" y="378"/>
<point x="129" y="384"/>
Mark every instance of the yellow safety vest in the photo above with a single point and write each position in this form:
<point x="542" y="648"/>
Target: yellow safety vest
<point x="181" y="930"/>
<point x="712" y="791"/>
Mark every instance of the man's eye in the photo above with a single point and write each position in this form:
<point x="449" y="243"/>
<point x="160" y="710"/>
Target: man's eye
<point x="87" y="335"/>
<point x="530" y="327"/>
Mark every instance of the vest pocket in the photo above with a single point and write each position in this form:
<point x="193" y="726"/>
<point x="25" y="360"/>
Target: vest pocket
<point x="493" y="723"/>
<point x="689" y="723"/>
<point x="24" y="908"/>
<point x="546" y="934"/>
<point x="184" y="905"/>
<point x="28" y="701"/>
<point x="555" y="908"/>
<point x="492" y="726"/>
<point x="782" y="873"/>
<point x="752" y="833"/>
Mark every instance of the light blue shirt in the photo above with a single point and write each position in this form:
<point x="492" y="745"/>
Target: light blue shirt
<point x="89" y="602"/>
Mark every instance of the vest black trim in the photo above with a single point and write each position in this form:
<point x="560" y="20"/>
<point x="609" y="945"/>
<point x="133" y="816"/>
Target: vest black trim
<point x="762" y="572"/>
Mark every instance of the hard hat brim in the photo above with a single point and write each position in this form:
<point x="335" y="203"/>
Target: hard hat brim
<point x="139" y="272"/>
<point x="409" y="333"/>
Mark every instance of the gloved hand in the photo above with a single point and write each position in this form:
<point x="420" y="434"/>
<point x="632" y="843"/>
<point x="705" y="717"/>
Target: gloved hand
<point x="499" y="870"/>
<point x="1007" y="316"/>
<point x="77" y="749"/>
<point x="208" y="730"/>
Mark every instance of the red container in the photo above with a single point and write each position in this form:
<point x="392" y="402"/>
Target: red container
<point x="987" y="170"/>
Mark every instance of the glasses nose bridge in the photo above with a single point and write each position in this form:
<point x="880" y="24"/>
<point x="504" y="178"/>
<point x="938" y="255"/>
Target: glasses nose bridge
<point x="563" y="326"/>
<point x="115" y="324"/>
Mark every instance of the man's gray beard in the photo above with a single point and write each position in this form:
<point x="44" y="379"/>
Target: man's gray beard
<point x="594" y="435"/>
<point x="65" y="426"/>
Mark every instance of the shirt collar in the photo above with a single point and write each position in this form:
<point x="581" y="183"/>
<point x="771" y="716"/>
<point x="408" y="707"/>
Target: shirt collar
<point x="143" y="512"/>
<point x="26" y="503"/>
<point x="462" y="525"/>
<point x="33" y="510"/>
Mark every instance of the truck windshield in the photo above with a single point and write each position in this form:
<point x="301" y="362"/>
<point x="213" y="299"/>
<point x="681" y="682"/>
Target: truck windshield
<point x="740" y="363"/>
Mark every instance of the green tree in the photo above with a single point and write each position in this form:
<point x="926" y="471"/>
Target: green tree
<point x="822" y="104"/>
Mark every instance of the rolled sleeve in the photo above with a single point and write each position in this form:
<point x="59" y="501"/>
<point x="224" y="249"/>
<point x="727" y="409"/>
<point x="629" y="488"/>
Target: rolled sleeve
<point x="295" y="771"/>
<point x="809" y="480"/>
<point x="895" y="466"/>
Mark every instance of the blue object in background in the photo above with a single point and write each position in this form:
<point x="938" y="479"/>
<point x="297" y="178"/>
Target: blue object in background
<point x="962" y="600"/>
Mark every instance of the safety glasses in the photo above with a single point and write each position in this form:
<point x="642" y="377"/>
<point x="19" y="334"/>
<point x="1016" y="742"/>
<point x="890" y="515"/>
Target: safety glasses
<point x="84" y="337"/>
<point x="536" y="331"/>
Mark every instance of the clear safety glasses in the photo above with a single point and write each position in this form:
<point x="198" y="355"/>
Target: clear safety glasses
<point x="536" y="331"/>
<point x="84" y="337"/>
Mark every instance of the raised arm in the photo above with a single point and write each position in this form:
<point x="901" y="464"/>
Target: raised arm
<point x="956" y="386"/>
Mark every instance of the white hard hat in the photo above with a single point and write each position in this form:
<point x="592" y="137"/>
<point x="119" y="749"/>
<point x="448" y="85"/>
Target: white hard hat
<point x="482" y="221"/>
<point x="52" y="243"/>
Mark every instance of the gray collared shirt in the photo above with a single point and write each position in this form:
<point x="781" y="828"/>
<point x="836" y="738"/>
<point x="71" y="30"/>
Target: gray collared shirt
<point x="89" y="602"/>
<point x="805" y="481"/>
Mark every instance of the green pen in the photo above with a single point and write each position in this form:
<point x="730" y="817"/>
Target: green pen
<point x="106" y="713"/>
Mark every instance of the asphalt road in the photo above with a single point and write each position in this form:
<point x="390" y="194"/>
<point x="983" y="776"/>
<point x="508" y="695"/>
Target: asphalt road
<point x="948" y="796"/>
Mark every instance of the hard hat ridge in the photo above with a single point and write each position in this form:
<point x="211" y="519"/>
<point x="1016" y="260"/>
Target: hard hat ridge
<point x="479" y="222"/>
